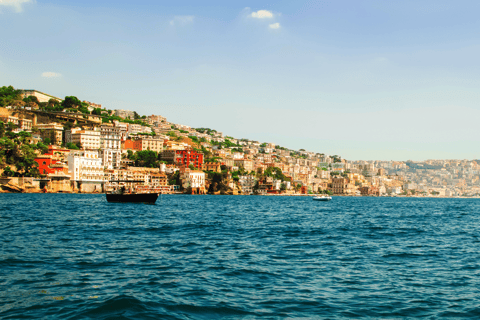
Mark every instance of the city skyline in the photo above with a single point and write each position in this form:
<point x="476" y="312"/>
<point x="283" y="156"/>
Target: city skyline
<point x="369" y="81"/>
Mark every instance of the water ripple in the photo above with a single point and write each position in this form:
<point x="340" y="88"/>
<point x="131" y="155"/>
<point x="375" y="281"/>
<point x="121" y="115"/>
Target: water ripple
<point x="231" y="257"/>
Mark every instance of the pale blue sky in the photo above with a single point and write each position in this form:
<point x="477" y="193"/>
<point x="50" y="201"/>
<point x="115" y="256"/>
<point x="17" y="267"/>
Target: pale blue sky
<point x="386" y="80"/>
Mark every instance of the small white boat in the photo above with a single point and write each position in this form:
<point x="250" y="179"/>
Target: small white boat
<point x="322" y="198"/>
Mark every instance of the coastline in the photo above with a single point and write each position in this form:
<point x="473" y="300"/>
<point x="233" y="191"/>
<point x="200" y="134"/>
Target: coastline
<point x="263" y="195"/>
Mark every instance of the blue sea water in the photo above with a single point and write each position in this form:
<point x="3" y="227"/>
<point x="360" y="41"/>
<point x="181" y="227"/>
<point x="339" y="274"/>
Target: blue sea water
<point x="66" y="256"/>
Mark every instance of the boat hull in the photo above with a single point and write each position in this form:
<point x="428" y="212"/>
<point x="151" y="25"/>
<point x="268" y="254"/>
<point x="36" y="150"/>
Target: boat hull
<point x="322" y="198"/>
<point x="133" y="197"/>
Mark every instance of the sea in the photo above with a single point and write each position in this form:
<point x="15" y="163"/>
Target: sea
<point x="76" y="256"/>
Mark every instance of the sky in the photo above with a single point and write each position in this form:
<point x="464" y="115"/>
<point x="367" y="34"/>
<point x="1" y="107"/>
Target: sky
<point x="366" y="80"/>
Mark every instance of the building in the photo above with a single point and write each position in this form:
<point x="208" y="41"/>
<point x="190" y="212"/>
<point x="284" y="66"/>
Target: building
<point x="183" y="158"/>
<point x="86" y="139"/>
<point x="52" y="131"/>
<point x="124" y="113"/>
<point x="86" y="171"/>
<point x="25" y="125"/>
<point x="110" y="145"/>
<point x="22" y="124"/>
<point x="247" y="164"/>
<point x="212" y="166"/>
<point x="46" y="164"/>
<point x="137" y="128"/>
<point x="155" y="120"/>
<point x="247" y="183"/>
<point x="339" y="185"/>
<point x="41" y="97"/>
<point x="148" y="143"/>
<point x="193" y="179"/>
<point x="123" y="129"/>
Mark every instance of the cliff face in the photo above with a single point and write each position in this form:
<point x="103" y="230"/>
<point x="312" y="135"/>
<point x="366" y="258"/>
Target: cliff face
<point x="224" y="186"/>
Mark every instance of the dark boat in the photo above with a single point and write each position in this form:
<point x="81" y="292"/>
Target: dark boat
<point x="132" y="197"/>
<point x="122" y="195"/>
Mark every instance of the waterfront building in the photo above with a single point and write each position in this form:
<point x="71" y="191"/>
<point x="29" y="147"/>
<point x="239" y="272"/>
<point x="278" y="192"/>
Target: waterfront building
<point x="86" y="170"/>
<point x="247" y="182"/>
<point x="193" y="179"/>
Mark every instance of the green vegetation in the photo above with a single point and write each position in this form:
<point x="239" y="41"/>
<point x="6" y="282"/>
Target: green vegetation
<point x="15" y="149"/>
<point x="214" y="159"/>
<point x="72" y="146"/>
<point x="206" y="130"/>
<point x="276" y="173"/>
<point x="174" y="179"/>
<point x="9" y="96"/>
<point x="171" y="134"/>
<point x="145" y="158"/>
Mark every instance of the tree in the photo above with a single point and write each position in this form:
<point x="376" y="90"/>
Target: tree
<point x="8" y="172"/>
<point x="174" y="179"/>
<point x="31" y="99"/>
<point x="71" y="102"/>
<point x="130" y="155"/>
<point x="72" y="146"/>
<point x="8" y="95"/>
<point x="191" y="166"/>
<point x="146" y="158"/>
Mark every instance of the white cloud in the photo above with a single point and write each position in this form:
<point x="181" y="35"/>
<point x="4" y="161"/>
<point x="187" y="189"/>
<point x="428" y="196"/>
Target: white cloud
<point x="262" y="14"/>
<point x="15" y="4"/>
<point x="51" y="75"/>
<point x="275" y="25"/>
<point x="180" y="20"/>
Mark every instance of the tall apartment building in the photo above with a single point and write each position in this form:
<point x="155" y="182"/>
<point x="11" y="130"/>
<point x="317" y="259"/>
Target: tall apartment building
<point x="123" y="129"/>
<point x="110" y="144"/>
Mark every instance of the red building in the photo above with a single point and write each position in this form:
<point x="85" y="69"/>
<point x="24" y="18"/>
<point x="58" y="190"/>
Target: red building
<point x="51" y="162"/>
<point x="184" y="157"/>
<point x="304" y="190"/>
<point x="44" y="164"/>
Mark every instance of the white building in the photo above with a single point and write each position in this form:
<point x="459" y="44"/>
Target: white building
<point x="247" y="183"/>
<point x="42" y="97"/>
<point x="137" y="128"/>
<point x="86" y="170"/>
<point x="193" y="179"/>
<point x="88" y="139"/>
<point x="110" y="145"/>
